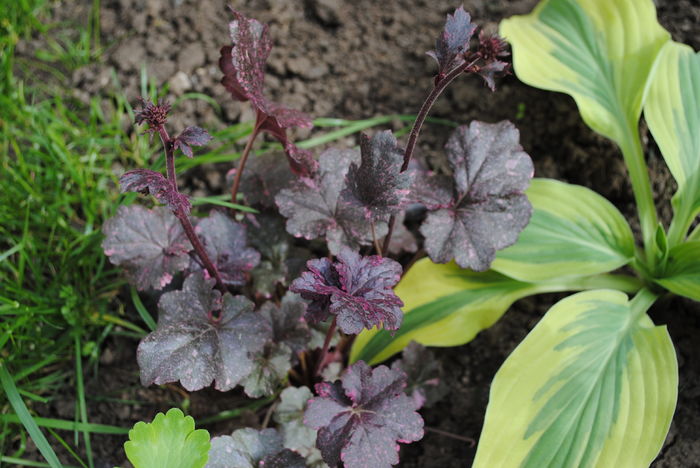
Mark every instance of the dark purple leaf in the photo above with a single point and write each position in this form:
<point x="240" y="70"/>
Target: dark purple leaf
<point x="154" y="183"/>
<point x="453" y="41"/>
<point x="245" y="448"/>
<point x="191" y="136"/>
<point x="491" y="49"/>
<point x="361" y="417"/>
<point x="285" y="459"/>
<point x="281" y="260"/>
<point x="243" y="66"/>
<point x="357" y="290"/>
<point x="402" y="240"/>
<point x="297" y="436"/>
<point x="149" y="244"/>
<point x="195" y="347"/>
<point x="226" y="244"/>
<point x="490" y="71"/>
<point x="434" y="191"/>
<point x="269" y="369"/>
<point x="264" y="176"/>
<point x="491" y="172"/>
<point x="424" y="375"/>
<point x="378" y="183"/>
<point x="288" y="325"/>
<point x="314" y="208"/>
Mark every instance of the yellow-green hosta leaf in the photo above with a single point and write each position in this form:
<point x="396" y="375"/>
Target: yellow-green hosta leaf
<point x="593" y="385"/>
<point x="170" y="441"/>
<point x="444" y="305"/>
<point x="672" y="109"/>
<point x="573" y="232"/>
<point x="598" y="51"/>
<point x="682" y="275"/>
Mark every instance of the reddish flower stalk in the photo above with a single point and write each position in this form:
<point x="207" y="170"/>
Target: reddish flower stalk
<point x="260" y="118"/>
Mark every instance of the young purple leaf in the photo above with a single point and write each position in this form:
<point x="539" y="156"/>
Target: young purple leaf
<point x="378" y="185"/>
<point x="491" y="48"/>
<point x="289" y="416"/>
<point x="361" y="417"/>
<point x="453" y="41"/>
<point x="154" y="183"/>
<point x="357" y="290"/>
<point x="423" y="371"/>
<point x="314" y="208"/>
<point x="226" y="245"/>
<point x="248" y="448"/>
<point x="149" y="244"/>
<point x="191" y="136"/>
<point x="489" y="207"/>
<point x="191" y="346"/>
<point x="243" y="66"/>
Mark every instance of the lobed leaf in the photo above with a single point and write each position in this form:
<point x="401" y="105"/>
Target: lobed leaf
<point x="154" y="183"/>
<point x="453" y="41"/>
<point x="194" y="346"/>
<point x="170" y="441"/>
<point x="297" y="436"/>
<point x="248" y="448"/>
<point x="270" y="367"/>
<point x="191" y="136"/>
<point x="423" y="375"/>
<point x="593" y="385"/>
<point x="264" y="176"/>
<point x="361" y="417"/>
<point x="357" y="290"/>
<point x="226" y="244"/>
<point x="573" y="232"/>
<point x="149" y="244"/>
<point x="488" y="209"/>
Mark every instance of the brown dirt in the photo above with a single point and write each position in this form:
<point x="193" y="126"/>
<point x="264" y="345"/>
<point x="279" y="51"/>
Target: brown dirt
<point x="356" y="60"/>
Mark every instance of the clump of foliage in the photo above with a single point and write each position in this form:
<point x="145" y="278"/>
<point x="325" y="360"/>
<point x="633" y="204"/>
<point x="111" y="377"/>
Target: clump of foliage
<point x="242" y="310"/>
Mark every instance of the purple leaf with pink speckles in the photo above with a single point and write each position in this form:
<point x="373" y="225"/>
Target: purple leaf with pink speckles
<point x="263" y="178"/>
<point x="202" y="337"/>
<point x="149" y="244"/>
<point x="243" y="66"/>
<point x="226" y="244"/>
<point x="424" y="375"/>
<point x="377" y="184"/>
<point x="489" y="207"/>
<point x="357" y="290"/>
<point x="315" y="208"/>
<point x="191" y="136"/>
<point x="453" y="41"/>
<point x="154" y="183"/>
<point x="361" y="417"/>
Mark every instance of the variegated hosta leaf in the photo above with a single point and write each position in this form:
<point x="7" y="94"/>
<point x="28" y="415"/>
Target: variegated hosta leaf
<point x="598" y="51"/>
<point x="444" y="305"/>
<point x="573" y="232"/>
<point x="593" y="385"/>
<point x="682" y="275"/>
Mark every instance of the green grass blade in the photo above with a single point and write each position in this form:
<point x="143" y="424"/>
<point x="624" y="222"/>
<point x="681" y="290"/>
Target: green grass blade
<point x="13" y="461"/>
<point x="82" y="407"/>
<point x="66" y="425"/>
<point x="141" y="309"/>
<point x="220" y="200"/>
<point x="26" y="419"/>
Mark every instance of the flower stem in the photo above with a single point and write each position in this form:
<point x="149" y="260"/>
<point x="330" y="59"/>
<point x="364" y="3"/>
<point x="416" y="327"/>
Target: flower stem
<point x="418" y="125"/>
<point x="244" y="156"/>
<point x="326" y="344"/>
<point x="182" y="216"/>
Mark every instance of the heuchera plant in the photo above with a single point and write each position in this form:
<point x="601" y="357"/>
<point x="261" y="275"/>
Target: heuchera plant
<point x="595" y="383"/>
<point x="247" y="305"/>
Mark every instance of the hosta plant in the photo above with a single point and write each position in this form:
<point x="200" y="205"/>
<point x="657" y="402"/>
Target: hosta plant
<point x="243" y="303"/>
<point x="595" y="383"/>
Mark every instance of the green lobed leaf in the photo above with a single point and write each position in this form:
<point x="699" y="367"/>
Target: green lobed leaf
<point x="598" y="51"/>
<point x="573" y="232"/>
<point x="170" y="441"/>
<point x="593" y="385"/>
<point x="682" y="275"/>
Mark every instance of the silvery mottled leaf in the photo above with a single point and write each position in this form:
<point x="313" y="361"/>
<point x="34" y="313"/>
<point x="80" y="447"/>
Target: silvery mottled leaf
<point x="269" y="369"/>
<point x="149" y="244"/>
<point x="424" y="375"/>
<point x="245" y="448"/>
<point x="314" y="208"/>
<point x="154" y="183"/>
<point x="297" y="436"/>
<point x="226" y="244"/>
<point x="453" y="41"/>
<point x="490" y="208"/>
<point x="377" y="184"/>
<point x="357" y="290"/>
<point x="191" y="136"/>
<point x="193" y="346"/>
<point x="361" y="417"/>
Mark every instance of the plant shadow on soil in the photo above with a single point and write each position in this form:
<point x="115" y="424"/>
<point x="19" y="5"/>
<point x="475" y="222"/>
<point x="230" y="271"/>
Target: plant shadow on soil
<point x="356" y="60"/>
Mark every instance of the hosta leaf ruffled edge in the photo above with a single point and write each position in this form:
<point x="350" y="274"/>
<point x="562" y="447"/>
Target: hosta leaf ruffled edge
<point x="593" y="385"/>
<point x="573" y="232"/>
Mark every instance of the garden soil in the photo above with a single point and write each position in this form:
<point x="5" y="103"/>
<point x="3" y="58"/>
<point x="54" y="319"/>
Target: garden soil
<point x="356" y="60"/>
